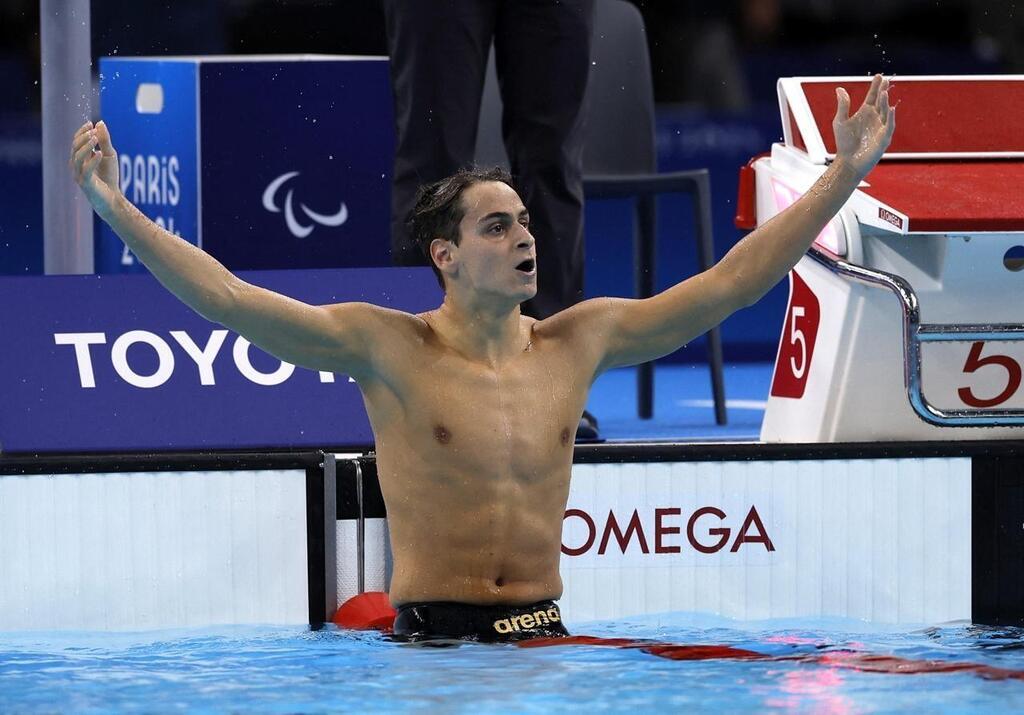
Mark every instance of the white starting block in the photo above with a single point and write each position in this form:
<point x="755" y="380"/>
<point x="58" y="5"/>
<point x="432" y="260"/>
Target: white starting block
<point x="906" y="319"/>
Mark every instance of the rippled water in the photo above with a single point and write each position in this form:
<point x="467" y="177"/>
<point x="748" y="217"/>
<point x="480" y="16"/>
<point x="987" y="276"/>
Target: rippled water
<point x="807" y="667"/>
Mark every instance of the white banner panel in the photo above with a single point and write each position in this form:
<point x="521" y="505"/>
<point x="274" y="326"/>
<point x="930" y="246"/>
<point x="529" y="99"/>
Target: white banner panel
<point x="134" y="551"/>
<point x="885" y="540"/>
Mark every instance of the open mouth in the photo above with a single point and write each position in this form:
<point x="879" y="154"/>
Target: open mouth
<point x="527" y="266"/>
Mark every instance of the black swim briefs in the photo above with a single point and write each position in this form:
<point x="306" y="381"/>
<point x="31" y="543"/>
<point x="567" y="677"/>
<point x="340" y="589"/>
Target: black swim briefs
<point x="485" y="624"/>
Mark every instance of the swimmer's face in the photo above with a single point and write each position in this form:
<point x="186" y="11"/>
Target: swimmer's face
<point x="496" y="254"/>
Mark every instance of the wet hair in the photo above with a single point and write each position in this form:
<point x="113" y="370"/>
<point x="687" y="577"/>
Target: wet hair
<point x="438" y="210"/>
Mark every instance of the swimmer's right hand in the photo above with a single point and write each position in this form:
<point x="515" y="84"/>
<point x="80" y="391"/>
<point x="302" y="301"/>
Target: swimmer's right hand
<point x="94" y="164"/>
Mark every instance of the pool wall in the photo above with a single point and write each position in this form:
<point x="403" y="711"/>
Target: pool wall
<point x="140" y="543"/>
<point x="896" y="533"/>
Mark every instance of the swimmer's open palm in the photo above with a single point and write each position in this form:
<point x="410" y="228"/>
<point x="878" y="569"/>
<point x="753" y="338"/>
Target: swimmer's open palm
<point x="861" y="139"/>
<point x="94" y="164"/>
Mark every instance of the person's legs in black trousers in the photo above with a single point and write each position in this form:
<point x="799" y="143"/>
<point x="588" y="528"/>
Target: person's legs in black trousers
<point x="542" y="53"/>
<point x="438" y="55"/>
<point x="438" y="60"/>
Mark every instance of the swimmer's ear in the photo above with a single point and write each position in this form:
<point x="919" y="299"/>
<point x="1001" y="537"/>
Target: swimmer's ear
<point x="441" y="253"/>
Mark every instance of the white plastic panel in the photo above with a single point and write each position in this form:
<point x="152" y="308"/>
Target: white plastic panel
<point x="137" y="551"/>
<point x="887" y="541"/>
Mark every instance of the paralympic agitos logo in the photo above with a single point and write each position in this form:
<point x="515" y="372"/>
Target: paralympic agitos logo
<point x="296" y="227"/>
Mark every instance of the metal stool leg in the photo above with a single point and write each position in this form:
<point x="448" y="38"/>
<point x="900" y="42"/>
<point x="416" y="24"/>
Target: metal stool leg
<point x="705" y="254"/>
<point x="646" y="255"/>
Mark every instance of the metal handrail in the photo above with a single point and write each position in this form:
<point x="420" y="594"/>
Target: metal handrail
<point x="360" y="531"/>
<point x="914" y="333"/>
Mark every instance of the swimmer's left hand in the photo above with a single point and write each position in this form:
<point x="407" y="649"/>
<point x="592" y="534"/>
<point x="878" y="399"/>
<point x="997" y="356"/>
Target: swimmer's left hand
<point x="94" y="165"/>
<point x="108" y="170"/>
<point x="861" y="139"/>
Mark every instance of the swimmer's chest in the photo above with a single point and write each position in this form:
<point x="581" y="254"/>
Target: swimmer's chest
<point x="528" y="409"/>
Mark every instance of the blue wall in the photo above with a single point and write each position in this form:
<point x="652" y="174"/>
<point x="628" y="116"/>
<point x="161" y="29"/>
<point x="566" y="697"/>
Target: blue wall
<point x="21" y="195"/>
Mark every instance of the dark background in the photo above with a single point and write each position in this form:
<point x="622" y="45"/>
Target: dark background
<point x="715" y="67"/>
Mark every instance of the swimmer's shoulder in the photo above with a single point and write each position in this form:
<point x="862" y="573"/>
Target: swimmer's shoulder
<point x="377" y="323"/>
<point x="575" y="320"/>
<point x="387" y="339"/>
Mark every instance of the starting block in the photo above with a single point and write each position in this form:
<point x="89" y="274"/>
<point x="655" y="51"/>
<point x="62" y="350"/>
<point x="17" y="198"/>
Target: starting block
<point x="906" y="318"/>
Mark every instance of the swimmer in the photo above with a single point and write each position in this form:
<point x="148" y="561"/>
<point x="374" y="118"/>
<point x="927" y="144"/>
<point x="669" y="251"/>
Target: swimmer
<point x="474" y="406"/>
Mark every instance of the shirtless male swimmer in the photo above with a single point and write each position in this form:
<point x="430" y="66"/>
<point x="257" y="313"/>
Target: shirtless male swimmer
<point x="473" y="405"/>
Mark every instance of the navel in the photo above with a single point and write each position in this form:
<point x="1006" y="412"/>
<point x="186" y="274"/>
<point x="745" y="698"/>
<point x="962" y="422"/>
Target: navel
<point x="442" y="435"/>
<point x="565" y="436"/>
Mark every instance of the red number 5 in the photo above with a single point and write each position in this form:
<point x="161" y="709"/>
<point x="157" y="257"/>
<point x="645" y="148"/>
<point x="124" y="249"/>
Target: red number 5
<point x="975" y="361"/>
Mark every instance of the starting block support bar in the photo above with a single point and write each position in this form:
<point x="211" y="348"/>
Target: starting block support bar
<point x="947" y="333"/>
<point x="914" y="333"/>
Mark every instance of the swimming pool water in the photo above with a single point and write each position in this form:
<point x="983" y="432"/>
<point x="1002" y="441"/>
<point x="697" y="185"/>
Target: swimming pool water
<point x="288" y="669"/>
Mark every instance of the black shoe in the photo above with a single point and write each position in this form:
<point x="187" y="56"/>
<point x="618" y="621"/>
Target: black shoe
<point x="587" y="430"/>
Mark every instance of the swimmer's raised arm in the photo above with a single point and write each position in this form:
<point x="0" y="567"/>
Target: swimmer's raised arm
<point x="633" y="331"/>
<point x="333" y="338"/>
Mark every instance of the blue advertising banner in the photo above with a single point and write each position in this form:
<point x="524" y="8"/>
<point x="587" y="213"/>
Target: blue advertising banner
<point x="118" y="364"/>
<point x="150" y="108"/>
<point x="297" y="162"/>
<point x="266" y="162"/>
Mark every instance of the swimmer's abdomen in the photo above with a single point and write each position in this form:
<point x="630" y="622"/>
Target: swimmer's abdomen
<point x="492" y="541"/>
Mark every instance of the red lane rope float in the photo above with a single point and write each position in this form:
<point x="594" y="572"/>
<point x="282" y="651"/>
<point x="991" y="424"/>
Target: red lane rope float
<point x="372" y="611"/>
<point x="874" y="663"/>
<point x="702" y="652"/>
<point x="847" y="660"/>
<point x="367" y="611"/>
<point x="662" y="650"/>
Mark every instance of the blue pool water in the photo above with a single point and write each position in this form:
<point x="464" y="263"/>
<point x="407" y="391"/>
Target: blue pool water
<point x="278" y="669"/>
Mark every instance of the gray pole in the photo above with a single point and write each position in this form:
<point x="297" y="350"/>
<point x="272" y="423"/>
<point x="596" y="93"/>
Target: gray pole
<point x="67" y="104"/>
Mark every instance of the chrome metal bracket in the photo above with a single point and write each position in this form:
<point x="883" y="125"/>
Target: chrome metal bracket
<point x="914" y="333"/>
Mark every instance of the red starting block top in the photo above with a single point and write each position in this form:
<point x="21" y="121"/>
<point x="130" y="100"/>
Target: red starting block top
<point x="956" y="162"/>
<point x="952" y="196"/>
